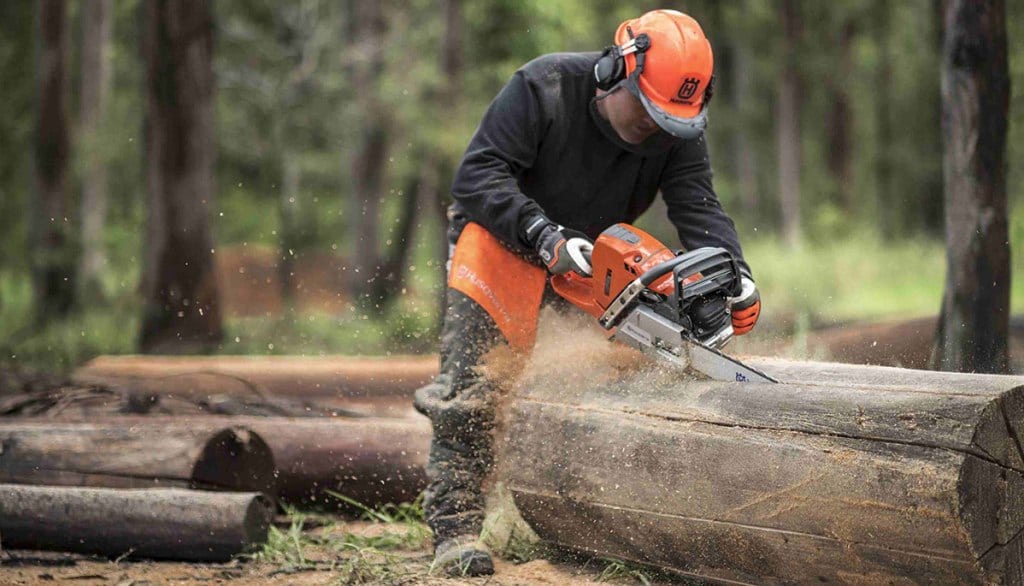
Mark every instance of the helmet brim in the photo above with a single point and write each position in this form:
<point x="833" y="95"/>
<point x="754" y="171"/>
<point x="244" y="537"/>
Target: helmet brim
<point x="677" y="126"/>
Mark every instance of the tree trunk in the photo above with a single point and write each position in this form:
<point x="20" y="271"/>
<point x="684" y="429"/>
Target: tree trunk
<point x="95" y="67"/>
<point x="974" y="322"/>
<point x="368" y="163"/>
<point x="165" y="523"/>
<point x="840" y="122"/>
<point x="787" y="119"/>
<point x="182" y="310"/>
<point x="389" y="283"/>
<point x="451" y="110"/>
<point x="742" y="139"/>
<point x="840" y="474"/>
<point x="291" y="225"/>
<point x="889" y="218"/>
<point x="141" y="454"/>
<point x="52" y="238"/>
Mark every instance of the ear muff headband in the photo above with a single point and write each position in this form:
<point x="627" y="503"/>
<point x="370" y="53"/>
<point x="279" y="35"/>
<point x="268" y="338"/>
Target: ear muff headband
<point x="610" y="68"/>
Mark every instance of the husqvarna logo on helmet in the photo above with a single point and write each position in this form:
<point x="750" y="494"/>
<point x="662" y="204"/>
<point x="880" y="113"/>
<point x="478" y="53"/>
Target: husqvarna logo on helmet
<point x="689" y="87"/>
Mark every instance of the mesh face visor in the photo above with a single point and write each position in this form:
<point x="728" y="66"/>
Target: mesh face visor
<point x="679" y="127"/>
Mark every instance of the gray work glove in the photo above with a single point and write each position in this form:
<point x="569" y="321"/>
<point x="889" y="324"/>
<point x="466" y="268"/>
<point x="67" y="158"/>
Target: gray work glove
<point x="562" y="250"/>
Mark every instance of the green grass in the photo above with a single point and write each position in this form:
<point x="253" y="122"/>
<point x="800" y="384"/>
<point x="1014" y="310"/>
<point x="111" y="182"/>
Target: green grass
<point x="63" y="344"/>
<point x="112" y="328"/>
<point x="287" y="548"/>
<point x="408" y="518"/>
<point x="354" y="558"/>
<point x="315" y="333"/>
<point x="855" y="279"/>
<point x="619" y="571"/>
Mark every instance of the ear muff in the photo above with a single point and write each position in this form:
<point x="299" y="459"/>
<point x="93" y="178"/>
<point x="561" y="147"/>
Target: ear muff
<point x="610" y="68"/>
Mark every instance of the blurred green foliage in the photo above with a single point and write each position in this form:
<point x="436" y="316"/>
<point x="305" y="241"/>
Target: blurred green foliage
<point x="287" y="103"/>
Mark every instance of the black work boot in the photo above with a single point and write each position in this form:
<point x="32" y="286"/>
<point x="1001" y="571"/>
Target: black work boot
<point x="462" y="556"/>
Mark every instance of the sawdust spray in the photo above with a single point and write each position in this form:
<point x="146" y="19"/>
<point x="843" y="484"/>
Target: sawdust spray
<point x="572" y="353"/>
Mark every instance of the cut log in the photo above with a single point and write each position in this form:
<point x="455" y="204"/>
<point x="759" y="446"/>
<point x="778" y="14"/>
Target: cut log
<point x="372" y="460"/>
<point x="171" y="523"/>
<point x="284" y="376"/>
<point x="136" y="454"/>
<point x="842" y="473"/>
<point x="375" y="461"/>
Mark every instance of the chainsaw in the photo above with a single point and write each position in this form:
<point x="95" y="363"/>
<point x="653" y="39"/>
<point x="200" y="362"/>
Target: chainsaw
<point x="667" y="304"/>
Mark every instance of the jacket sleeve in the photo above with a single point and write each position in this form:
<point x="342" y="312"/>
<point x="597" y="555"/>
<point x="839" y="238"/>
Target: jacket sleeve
<point x="505" y="144"/>
<point x="693" y="207"/>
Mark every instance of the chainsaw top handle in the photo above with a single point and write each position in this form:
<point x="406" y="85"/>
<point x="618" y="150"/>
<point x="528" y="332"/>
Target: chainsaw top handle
<point x="695" y="262"/>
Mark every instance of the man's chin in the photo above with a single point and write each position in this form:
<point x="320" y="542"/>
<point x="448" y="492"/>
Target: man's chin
<point x="633" y="140"/>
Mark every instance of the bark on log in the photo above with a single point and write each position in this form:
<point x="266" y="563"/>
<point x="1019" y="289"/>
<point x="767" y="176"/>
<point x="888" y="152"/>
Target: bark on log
<point x="163" y="523"/>
<point x="842" y="473"/>
<point x="136" y="454"/>
<point x="375" y="461"/>
<point x="372" y="460"/>
<point x="285" y="376"/>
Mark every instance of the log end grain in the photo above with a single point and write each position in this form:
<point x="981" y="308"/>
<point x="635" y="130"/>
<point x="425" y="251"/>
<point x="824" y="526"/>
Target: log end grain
<point x="236" y="459"/>
<point x="990" y="488"/>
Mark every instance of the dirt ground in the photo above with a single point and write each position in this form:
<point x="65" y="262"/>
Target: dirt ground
<point x="345" y="561"/>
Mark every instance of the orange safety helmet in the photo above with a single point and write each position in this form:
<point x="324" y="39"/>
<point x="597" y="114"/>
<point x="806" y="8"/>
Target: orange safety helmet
<point x="664" y="59"/>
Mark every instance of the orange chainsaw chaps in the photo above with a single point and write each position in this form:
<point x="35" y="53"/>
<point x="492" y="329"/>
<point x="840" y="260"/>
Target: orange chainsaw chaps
<point x="506" y="286"/>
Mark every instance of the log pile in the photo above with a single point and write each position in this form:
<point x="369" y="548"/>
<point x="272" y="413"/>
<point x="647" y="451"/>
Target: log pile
<point x="840" y="474"/>
<point x="97" y="464"/>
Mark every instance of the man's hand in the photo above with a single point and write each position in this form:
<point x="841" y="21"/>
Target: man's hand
<point x="746" y="307"/>
<point x="562" y="250"/>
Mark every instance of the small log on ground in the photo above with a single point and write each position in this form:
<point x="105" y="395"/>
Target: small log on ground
<point x="372" y="460"/>
<point x="841" y="474"/>
<point x="284" y="376"/>
<point x="138" y="453"/>
<point x="161" y="523"/>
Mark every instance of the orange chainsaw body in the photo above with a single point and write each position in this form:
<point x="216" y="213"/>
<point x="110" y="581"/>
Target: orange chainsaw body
<point x="621" y="254"/>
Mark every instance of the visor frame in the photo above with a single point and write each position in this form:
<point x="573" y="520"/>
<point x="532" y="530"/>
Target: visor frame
<point x="685" y="128"/>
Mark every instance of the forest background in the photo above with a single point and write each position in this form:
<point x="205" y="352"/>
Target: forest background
<point x="336" y="127"/>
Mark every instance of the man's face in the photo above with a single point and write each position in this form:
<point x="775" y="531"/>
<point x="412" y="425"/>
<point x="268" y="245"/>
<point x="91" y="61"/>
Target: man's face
<point x="627" y="116"/>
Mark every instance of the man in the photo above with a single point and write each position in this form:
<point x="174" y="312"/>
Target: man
<point x="571" y="145"/>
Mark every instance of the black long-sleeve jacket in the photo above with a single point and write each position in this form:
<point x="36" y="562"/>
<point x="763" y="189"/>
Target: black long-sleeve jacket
<point x="543" y="146"/>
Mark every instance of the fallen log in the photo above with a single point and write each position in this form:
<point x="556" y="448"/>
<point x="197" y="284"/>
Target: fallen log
<point x="283" y="376"/>
<point x="842" y="473"/>
<point x="136" y="454"/>
<point x="177" y="524"/>
<point x="374" y="461"/>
